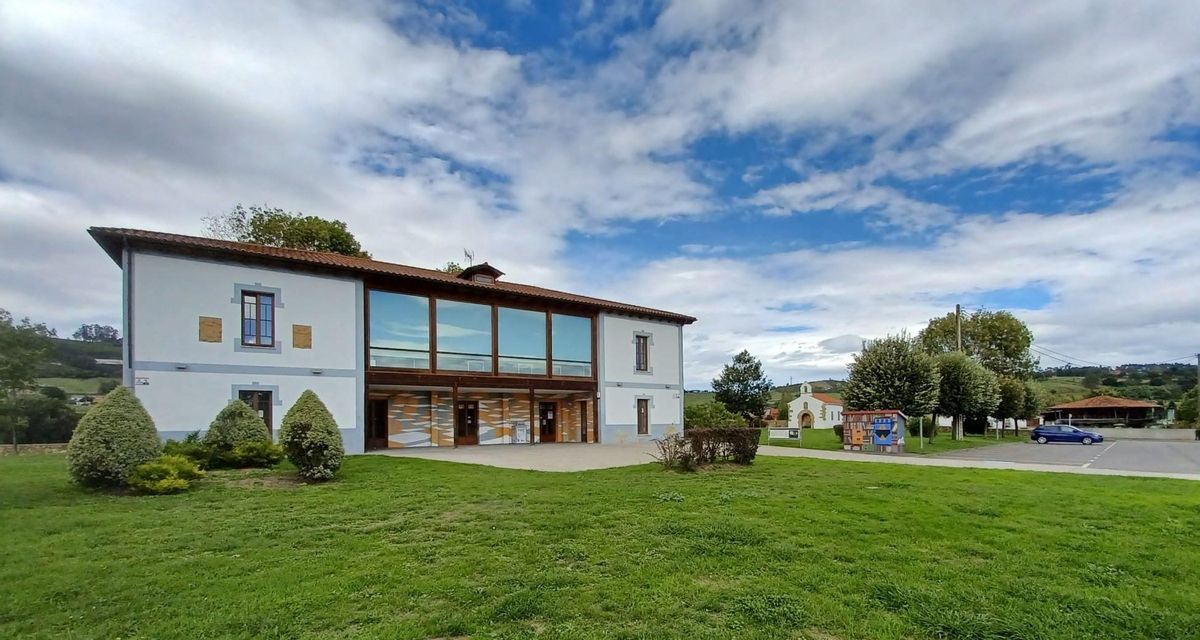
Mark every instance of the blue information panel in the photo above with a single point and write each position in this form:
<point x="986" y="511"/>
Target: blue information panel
<point x="883" y="431"/>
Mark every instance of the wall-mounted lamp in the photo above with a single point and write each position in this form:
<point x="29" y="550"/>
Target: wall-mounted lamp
<point x="181" y="367"/>
<point x="317" y="372"/>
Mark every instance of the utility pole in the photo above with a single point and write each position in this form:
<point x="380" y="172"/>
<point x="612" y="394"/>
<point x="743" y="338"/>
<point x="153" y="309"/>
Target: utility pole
<point x="958" y="325"/>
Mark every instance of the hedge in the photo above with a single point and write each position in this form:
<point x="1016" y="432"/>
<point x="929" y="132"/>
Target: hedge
<point x="235" y="424"/>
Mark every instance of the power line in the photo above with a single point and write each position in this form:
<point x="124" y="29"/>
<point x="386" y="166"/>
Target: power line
<point x="1066" y="362"/>
<point x="1073" y="358"/>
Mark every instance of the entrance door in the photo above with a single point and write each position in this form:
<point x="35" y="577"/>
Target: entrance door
<point x="260" y="401"/>
<point x="548" y="422"/>
<point x="377" y="427"/>
<point x="466" y="424"/>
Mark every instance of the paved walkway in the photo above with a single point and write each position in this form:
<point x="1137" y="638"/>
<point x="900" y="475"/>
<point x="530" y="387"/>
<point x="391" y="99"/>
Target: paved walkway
<point x="560" y="456"/>
<point x="961" y="463"/>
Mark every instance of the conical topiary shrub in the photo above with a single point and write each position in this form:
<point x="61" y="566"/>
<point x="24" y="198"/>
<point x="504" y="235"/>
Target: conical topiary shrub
<point x="235" y="424"/>
<point x="112" y="438"/>
<point x="311" y="439"/>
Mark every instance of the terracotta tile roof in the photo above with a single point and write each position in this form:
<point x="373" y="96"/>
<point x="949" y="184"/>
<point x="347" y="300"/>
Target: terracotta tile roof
<point x="1106" y="402"/>
<point x="826" y="398"/>
<point x="111" y="239"/>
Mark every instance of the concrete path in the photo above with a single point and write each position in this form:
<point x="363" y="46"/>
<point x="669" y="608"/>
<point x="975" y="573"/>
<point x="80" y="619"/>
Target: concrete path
<point x="972" y="463"/>
<point x="540" y="457"/>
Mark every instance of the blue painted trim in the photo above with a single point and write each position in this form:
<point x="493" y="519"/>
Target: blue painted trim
<point x="127" y="316"/>
<point x="238" y="289"/>
<point x="242" y="369"/>
<point x="600" y="395"/>
<point x="358" y="440"/>
<point x="682" y="391"/>
<point x="276" y="399"/>
<point x="643" y="385"/>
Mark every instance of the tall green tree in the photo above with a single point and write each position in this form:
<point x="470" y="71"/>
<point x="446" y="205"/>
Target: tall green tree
<point x="1012" y="401"/>
<point x="24" y="347"/>
<point x="743" y="387"/>
<point x="97" y="333"/>
<point x="892" y="373"/>
<point x="1186" y="410"/>
<point x="278" y="228"/>
<point x="996" y="339"/>
<point x="1034" y="401"/>
<point x="966" y="388"/>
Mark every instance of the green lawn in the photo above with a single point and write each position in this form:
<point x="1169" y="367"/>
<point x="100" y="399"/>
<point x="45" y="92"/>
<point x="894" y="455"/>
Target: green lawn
<point x="827" y="440"/>
<point x="90" y="386"/>
<point x="787" y="548"/>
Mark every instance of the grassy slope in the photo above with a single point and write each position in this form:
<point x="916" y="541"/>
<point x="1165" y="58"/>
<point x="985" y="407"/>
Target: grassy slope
<point x="90" y="386"/>
<point x="404" y="548"/>
<point x="825" y="439"/>
<point x="1060" y="389"/>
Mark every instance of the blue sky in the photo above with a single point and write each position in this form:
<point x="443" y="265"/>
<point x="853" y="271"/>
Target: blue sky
<point x="798" y="175"/>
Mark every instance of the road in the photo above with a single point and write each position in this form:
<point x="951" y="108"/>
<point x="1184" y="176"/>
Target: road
<point x="1121" y="455"/>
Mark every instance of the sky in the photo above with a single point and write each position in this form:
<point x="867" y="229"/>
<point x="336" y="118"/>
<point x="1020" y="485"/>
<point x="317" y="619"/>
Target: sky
<point x="800" y="176"/>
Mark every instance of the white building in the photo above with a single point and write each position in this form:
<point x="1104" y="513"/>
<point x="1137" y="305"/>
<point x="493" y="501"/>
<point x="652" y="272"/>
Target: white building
<point x="814" y="410"/>
<point x="401" y="356"/>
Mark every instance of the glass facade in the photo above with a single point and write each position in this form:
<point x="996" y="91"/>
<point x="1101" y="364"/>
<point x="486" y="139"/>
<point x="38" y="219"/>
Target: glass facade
<point x="399" y="332"/>
<point x="400" y="335"/>
<point x="522" y="341"/>
<point x="571" y="338"/>
<point x="464" y="336"/>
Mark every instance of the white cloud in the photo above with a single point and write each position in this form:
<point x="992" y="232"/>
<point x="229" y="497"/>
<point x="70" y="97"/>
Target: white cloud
<point x="154" y="115"/>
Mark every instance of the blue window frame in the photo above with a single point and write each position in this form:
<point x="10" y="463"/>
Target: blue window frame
<point x="258" y="319"/>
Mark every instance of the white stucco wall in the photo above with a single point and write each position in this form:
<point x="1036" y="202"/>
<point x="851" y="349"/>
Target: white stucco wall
<point x="833" y="412"/>
<point x="184" y="382"/>
<point x="621" y="384"/>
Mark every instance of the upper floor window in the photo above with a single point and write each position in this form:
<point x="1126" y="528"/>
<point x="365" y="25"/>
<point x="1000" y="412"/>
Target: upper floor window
<point x="522" y="341"/>
<point x="399" y="331"/>
<point x="258" y="319"/>
<point x="464" y="336"/>
<point x="571" y="345"/>
<point x="641" y="344"/>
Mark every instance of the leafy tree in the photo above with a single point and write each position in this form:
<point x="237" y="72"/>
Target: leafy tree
<point x="710" y="415"/>
<point x="41" y="418"/>
<point x="278" y="228"/>
<point x="451" y="267"/>
<point x="743" y="387"/>
<point x="1033" y="402"/>
<point x="107" y="385"/>
<point x="24" y="347"/>
<point x="97" y="333"/>
<point x="996" y="339"/>
<point x="1012" y="401"/>
<point x="966" y="388"/>
<point x="892" y="373"/>
<point x="1185" y="409"/>
<point x="1091" y="381"/>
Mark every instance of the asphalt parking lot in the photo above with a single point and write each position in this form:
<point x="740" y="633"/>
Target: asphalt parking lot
<point x="1123" y="455"/>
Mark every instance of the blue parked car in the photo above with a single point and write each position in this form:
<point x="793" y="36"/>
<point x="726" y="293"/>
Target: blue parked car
<point x="1063" y="433"/>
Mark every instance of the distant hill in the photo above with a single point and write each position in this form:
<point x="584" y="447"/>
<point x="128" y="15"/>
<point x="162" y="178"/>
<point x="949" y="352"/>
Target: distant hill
<point x="77" y="359"/>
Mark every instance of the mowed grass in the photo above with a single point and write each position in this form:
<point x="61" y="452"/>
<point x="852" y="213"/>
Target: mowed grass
<point x="827" y="440"/>
<point x="787" y="548"/>
<point x="89" y="386"/>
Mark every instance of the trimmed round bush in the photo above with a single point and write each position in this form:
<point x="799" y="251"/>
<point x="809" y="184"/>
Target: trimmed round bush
<point x="310" y="438"/>
<point x="112" y="439"/>
<point x="237" y="423"/>
<point x="166" y="474"/>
